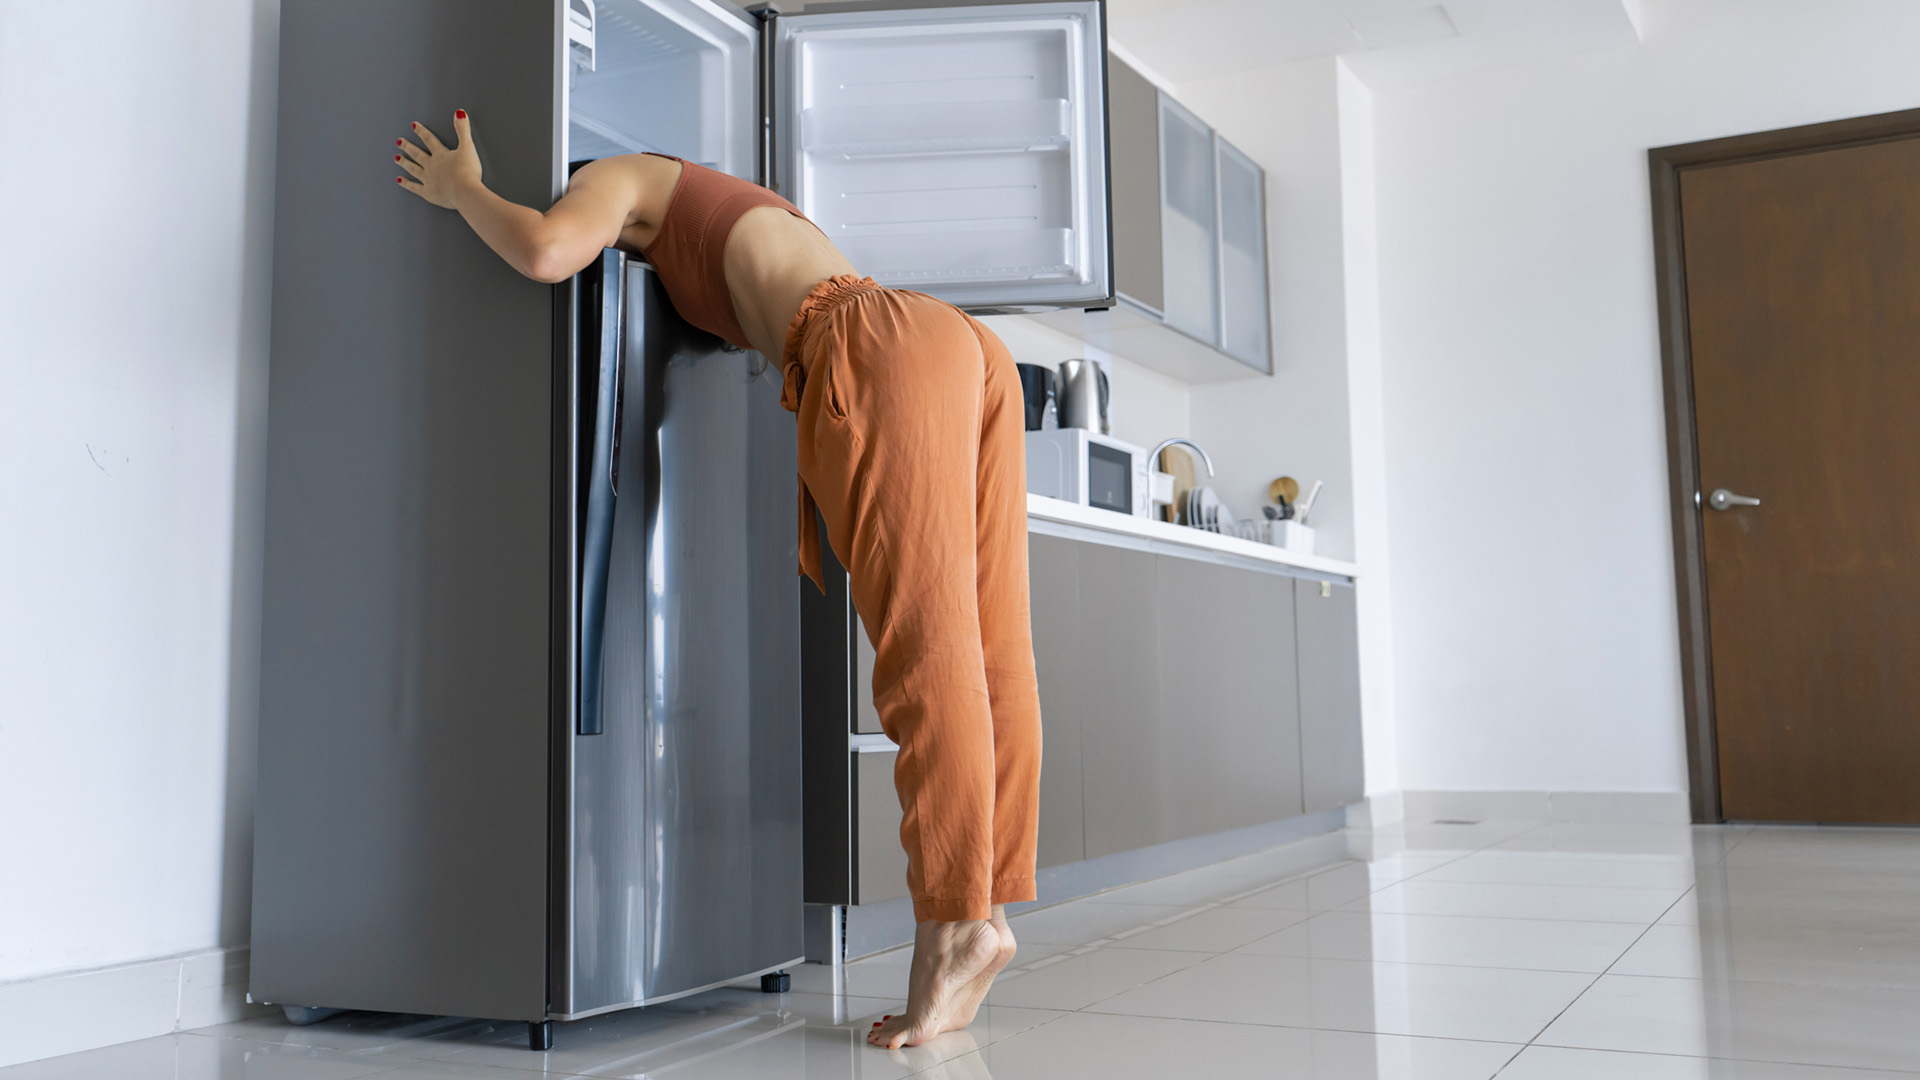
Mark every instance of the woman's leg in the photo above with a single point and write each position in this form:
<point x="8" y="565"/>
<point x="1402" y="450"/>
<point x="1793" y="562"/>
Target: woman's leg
<point x="890" y="427"/>
<point x="1006" y="639"/>
<point x="1006" y="622"/>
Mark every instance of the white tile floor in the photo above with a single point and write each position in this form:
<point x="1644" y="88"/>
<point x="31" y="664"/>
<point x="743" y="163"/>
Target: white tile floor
<point x="1527" y="951"/>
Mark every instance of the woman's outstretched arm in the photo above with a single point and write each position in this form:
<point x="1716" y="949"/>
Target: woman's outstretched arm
<point x="603" y="199"/>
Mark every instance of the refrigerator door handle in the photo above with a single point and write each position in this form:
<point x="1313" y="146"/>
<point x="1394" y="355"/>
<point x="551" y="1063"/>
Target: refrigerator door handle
<point x="605" y="286"/>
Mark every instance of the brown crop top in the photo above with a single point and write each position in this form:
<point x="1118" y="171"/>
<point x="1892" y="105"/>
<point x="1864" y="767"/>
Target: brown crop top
<point x="689" y="252"/>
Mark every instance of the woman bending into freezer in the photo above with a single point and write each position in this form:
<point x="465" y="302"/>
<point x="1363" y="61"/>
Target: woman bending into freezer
<point x="911" y="445"/>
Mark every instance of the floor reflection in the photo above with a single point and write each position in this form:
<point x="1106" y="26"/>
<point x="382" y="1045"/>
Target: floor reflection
<point x="1431" y="951"/>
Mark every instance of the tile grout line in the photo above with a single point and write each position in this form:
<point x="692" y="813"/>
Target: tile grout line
<point x="1535" y="1040"/>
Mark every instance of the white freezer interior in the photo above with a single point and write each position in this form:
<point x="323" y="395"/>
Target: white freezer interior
<point x="671" y="76"/>
<point x="959" y="151"/>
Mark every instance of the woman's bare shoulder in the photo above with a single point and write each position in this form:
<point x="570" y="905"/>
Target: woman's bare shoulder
<point x="646" y="169"/>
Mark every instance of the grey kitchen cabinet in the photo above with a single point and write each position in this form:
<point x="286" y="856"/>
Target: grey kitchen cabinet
<point x="880" y="867"/>
<point x="1180" y="696"/>
<point x="1228" y="703"/>
<point x="1243" y="256"/>
<point x="1329" y="651"/>
<point x="1053" y="566"/>
<point x="1189" y="243"/>
<point x="1123" y="740"/>
<point x="1189" y="223"/>
<point x="1133" y="115"/>
<point x="866" y="718"/>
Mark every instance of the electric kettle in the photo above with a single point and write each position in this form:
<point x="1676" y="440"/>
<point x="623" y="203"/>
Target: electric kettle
<point x="1083" y="396"/>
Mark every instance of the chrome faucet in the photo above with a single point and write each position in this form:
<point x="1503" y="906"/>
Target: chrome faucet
<point x="1154" y="457"/>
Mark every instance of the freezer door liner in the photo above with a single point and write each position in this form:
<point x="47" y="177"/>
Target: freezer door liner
<point x="958" y="151"/>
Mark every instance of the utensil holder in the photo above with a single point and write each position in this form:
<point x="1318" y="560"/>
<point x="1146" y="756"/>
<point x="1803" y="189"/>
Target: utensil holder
<point x="1290" y="535"/>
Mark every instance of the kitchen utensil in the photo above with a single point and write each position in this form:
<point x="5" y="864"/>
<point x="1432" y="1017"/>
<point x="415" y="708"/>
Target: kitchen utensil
<point x="1083" y="396"/>
<point x="1038" y="384"/>
<point x="1271" y="513"/>
<point x="1306" y="505"/>
<point x="1284" y="490"/>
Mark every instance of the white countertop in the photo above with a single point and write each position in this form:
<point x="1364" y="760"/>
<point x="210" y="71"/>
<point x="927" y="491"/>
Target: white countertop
<point x="1040" y="506"/>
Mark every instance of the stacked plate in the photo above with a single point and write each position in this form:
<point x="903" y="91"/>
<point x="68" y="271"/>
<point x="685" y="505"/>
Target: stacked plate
<point x="1204" y="510"/>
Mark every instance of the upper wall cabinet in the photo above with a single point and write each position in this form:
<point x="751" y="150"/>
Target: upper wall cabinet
<point x="1189" y="243"/>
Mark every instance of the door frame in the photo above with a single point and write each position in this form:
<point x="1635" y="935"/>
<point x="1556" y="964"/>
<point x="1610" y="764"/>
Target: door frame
<point x="1665" y="164"/>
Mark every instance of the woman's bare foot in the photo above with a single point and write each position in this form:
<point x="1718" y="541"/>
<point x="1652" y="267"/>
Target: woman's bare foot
<point x="976" y="991"/>
<point x="947" y="958"/>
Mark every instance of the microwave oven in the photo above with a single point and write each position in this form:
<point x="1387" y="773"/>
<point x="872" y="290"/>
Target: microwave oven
<point x="1086" y="467"/>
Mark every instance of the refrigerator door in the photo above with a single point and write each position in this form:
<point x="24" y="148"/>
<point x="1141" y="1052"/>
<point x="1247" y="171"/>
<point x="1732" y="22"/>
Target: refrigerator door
<point x="676" y="77"/>
<point x="686" y="862"/>
<point x="955" y="150"/>
<point x="400" y="846"/>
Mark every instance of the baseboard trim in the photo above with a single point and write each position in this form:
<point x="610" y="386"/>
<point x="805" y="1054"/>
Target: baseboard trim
<point x="1374" y="811"/>
<point x="1608" y="807"/>
<point x="67" y="1012"/>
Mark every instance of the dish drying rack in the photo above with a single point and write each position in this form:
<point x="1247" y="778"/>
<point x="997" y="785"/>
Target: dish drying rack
<point x="1260" y="531"/>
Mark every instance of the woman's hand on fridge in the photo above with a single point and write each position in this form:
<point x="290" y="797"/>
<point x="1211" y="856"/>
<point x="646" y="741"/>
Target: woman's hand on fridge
<point x="440" y="174"/>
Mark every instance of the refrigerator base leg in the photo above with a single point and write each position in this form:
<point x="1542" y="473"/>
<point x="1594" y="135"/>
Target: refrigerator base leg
<point x="775" y="982"/>
<point x="539" y="1034"/>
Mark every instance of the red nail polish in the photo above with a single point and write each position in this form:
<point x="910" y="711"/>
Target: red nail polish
<point x="459" y="114"/>
<point x="396" y="157"/>
<point x="399" y="142"/>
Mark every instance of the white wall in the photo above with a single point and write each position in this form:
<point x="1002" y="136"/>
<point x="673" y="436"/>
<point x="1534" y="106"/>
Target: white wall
<point x="1310" y="125"/>
<point x="1533" y="583"/>
<point x="135" y="174"/>
<point x="1295" y="423"/>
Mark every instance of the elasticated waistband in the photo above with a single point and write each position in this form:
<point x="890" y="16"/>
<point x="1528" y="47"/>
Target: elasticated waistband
<point x="823" y="299"/>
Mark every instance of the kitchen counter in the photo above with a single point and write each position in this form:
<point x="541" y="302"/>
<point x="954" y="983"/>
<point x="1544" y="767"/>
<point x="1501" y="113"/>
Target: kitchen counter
<point x="1044" y="509"/>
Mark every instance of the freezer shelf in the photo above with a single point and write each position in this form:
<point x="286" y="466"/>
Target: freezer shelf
<point x="859" y="130"/>
<point x="1039" y="254"/>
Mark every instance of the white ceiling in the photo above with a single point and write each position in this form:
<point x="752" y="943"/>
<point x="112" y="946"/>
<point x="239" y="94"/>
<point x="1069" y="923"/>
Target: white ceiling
<point x="1388" y="43"/>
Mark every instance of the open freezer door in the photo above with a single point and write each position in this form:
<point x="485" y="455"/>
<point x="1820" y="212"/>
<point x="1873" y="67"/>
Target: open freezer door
<point x="959" y="151"/>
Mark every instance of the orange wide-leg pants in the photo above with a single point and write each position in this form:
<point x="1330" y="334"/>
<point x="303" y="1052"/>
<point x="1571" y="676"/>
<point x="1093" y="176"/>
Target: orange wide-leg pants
<point x="912" y="445"/>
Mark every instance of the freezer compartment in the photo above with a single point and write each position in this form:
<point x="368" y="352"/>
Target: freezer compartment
<point x="670" y="76"/>
<point x="960" y="151"/>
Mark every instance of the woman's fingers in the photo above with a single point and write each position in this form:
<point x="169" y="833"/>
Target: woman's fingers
<point x="413" y="151"/>
<point x="432" y="141"/>
<point x="414" y="169"/>
<point x="412" y="185"/>
<point x="462" y="127"/>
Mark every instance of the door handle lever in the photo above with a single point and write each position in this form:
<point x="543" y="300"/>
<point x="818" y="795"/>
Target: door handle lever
<point x="1722" y="499"/>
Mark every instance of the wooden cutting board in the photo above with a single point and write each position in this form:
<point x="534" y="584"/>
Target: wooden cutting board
<point x="1177" y="460"/>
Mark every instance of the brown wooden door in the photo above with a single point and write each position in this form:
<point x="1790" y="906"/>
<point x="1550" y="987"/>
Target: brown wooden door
<point x="1803" y="308"/>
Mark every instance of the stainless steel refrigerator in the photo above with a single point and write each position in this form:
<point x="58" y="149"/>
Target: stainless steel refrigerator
<point x="530" y="738"/>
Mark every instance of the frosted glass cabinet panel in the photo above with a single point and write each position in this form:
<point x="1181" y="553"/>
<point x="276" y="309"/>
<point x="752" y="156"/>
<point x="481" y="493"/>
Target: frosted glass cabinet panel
<point x="1243" y="258"/>
<point x="1187" y="223"/>
<point x="671" y="76"/>
<point x="959" y="151"/>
